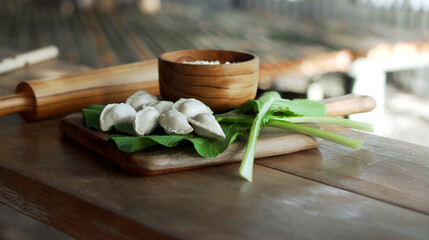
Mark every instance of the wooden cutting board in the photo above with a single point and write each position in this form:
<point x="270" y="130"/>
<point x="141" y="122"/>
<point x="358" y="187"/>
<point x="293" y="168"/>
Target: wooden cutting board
<point x="158" y="160"/>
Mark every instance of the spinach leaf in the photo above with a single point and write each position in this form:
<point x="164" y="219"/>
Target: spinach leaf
<point x="204" y="146"/>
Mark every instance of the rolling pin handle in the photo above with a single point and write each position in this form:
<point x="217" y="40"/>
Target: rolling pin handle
<point x="16" y="103"/>
<point x="348" y="104"/>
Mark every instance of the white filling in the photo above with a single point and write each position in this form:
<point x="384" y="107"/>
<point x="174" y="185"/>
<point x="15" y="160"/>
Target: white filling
<point x="202" y="62"/>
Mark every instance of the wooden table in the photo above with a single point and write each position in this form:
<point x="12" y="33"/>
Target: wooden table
<point x="378" y="192"/>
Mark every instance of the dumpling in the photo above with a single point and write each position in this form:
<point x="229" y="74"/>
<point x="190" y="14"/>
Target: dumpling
<point x="163" y="106"/>
<point x="205" y="125"/>
<point x="174" y="123"/>
<point x="146" y="121"/>
<point x="191" y="107"/>
<point x="141" y="99"/>
<point x="116" y="113"/>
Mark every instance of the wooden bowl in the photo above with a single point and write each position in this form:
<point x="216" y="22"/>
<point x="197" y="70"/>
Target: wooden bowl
<point x="221" y="86"/>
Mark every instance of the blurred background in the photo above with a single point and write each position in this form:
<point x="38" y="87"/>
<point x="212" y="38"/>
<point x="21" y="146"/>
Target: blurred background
<point x="307" y="48"/>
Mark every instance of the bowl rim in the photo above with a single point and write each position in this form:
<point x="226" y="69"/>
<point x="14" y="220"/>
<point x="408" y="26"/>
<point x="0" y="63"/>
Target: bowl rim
<point x="254" y="57"/>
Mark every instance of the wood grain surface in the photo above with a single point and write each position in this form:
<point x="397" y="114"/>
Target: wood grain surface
<point x="398" y="175"/>
<point x="74" y="190"/>
<point x="329" y="192"/>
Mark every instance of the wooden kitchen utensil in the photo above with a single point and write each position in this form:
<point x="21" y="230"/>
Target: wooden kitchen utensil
<point x="44" y="98"/>
<point x="220" y="86"/>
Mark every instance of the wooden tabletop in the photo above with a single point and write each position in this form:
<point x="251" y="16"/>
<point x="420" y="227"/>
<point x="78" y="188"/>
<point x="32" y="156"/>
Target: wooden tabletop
<point x="380" y="191"/>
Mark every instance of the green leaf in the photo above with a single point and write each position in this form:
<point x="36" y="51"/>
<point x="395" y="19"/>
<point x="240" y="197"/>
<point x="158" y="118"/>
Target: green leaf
<point x="298" y="107"/>
<point x="98" y="107"/>
<point x="131" y="144"/>
<point x="257" y="105"/>
<point x="204" y="146"/>
<point x="126" y="128"/>
<point x="92" y="118"/>
<point x="235" y="116"/>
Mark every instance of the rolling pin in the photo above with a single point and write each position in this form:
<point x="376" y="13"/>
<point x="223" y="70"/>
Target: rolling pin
<point x="45" y="98"/>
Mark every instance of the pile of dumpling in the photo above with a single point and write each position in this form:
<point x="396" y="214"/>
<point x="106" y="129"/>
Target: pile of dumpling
<point x="146" y="113"/>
